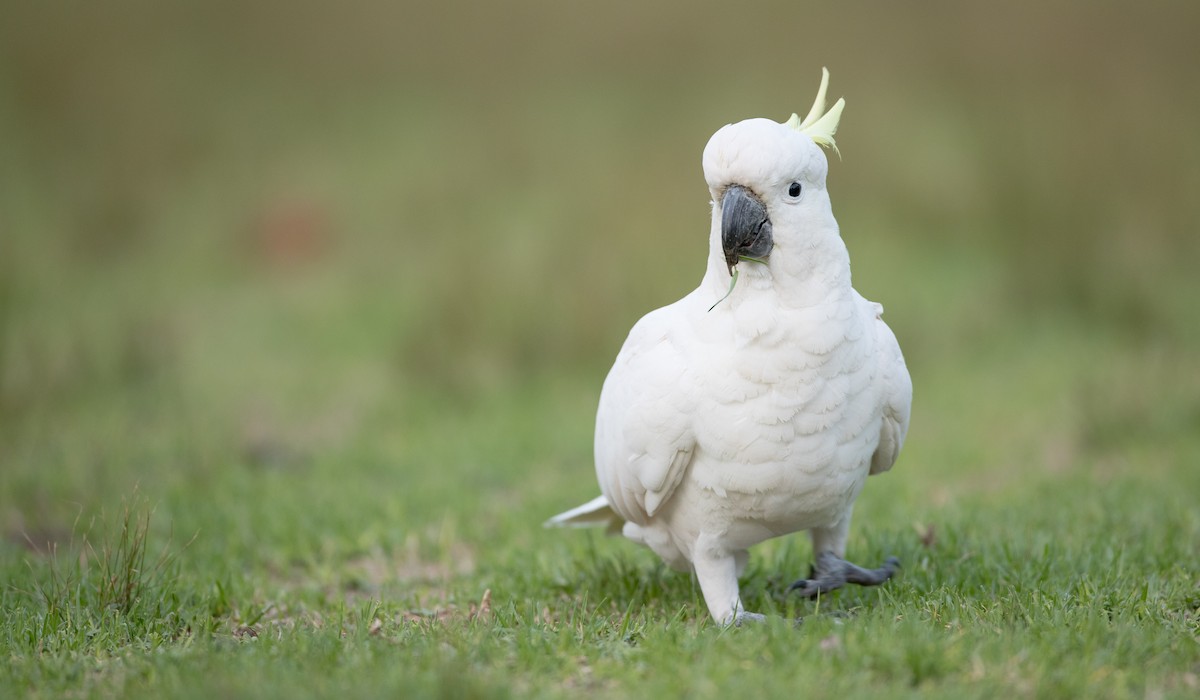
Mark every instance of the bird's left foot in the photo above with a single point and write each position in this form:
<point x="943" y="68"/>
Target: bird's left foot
<point x="833" y="572"/>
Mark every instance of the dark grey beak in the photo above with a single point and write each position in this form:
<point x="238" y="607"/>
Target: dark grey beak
<point x="745" y="226"/>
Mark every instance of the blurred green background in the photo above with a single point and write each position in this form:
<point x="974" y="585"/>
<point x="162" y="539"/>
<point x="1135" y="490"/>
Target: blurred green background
<point x="285" y="265"/>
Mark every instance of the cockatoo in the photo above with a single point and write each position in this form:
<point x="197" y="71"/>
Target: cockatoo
<point x="754" y="407"/>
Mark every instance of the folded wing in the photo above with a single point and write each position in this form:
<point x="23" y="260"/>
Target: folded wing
<point x="644" y="440"/>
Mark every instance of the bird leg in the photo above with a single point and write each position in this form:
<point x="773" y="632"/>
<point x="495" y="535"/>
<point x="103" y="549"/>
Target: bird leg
<point x="717" y="571"/>
<point x="833" y="572"/>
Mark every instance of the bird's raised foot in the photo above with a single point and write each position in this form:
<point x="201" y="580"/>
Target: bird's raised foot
<point x="833" y="572"/>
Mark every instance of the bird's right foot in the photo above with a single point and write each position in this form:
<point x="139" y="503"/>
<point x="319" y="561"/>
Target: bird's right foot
<point x="742" y="617"/>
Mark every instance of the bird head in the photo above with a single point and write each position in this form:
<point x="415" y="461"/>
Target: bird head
<point x="767" y="181"/>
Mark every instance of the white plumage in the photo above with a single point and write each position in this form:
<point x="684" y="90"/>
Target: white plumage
<point x="723" y="426"/>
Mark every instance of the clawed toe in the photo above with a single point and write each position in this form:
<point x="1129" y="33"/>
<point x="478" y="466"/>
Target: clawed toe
<point x="832" y="572"/>
<point x="807" y="588"/>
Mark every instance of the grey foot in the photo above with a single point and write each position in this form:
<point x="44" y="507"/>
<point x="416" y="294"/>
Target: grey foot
<point x="833" y="572"/>
<point x="743" y="617"/>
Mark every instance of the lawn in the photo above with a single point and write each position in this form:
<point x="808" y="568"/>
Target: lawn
<point x="304" y="314"/>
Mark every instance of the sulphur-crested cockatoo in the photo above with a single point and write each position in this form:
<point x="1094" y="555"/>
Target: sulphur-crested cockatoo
<point x="728" y="421"/>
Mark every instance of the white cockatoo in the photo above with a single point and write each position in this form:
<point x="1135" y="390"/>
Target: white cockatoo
<point x="754" y="407"/>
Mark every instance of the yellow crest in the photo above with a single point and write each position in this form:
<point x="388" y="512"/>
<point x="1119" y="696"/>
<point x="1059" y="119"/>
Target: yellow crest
<point x="817" y="126"/>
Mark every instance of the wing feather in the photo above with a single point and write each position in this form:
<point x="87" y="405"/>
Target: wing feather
<point x="897" y="397"/>
<point x="644" y="438"/>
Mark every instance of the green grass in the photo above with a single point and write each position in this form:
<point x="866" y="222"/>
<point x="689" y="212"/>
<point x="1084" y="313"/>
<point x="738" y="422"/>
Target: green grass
<point x="304" y="314"/>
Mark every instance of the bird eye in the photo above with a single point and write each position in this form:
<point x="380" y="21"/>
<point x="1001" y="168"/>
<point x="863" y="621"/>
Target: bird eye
<point x="794" y="190"/>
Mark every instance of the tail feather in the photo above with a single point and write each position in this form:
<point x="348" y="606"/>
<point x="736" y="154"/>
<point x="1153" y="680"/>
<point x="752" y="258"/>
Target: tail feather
<point x="594" y="512"/>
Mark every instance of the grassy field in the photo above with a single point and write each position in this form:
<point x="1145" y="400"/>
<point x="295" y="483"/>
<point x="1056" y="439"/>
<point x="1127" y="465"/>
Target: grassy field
<point x="304" y="313"/>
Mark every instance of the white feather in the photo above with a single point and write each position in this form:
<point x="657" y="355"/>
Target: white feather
<point x="594" y="512"/>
